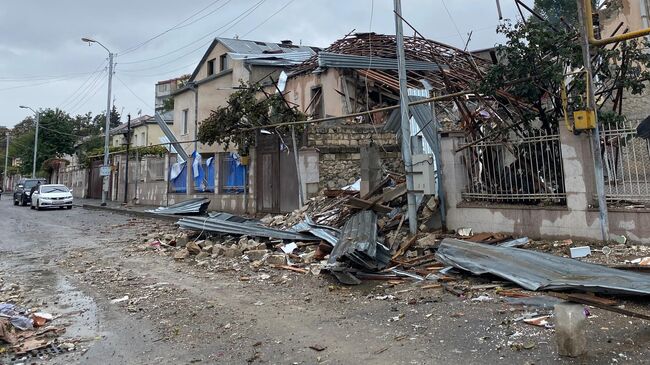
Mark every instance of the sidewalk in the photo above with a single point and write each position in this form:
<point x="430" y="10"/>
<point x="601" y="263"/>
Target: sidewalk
<point x="118" y="207"/>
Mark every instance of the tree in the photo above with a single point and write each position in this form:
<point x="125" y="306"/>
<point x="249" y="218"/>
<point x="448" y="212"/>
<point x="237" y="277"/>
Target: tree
<point x="248" y="107"/>
<point x="537" y="57"/>
<point x="99" y="122"/>
<point x="56" y="138"/>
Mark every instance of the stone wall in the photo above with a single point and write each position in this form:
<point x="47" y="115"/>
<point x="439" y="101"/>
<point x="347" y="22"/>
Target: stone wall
<point x="340" y="157"/>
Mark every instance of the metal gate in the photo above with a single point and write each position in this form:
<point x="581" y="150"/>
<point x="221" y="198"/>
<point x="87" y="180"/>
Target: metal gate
<point x="277" y="178"/>
<point x="95" y="181"/>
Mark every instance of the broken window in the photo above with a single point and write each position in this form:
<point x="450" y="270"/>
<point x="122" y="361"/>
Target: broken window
<point x="317" y="107"/>
<point x="232" y="174"/>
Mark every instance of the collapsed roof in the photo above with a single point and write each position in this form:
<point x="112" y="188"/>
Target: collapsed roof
<point x="461" y="68"/>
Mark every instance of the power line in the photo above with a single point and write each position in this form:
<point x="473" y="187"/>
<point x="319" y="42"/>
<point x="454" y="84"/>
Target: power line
<point x="165" y="72"/>
<point x="44" y="77"/>
<point x="234" y="22"/>
<point x="175" y="27"/>
<point x="88" y="89"/>
<point x="132" y="92"/>
<point x="71" y="96"/>
<point x="73" y="110"/>
<point x="269" y="18"/>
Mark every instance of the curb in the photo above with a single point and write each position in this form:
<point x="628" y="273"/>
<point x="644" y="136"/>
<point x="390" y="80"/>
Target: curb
<point x="135" y="213"/>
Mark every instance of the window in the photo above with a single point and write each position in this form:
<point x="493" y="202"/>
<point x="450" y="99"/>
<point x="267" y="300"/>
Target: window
<point x="162" y="88"/>
<point x="135" y="140"/>
<point x="211" y="67"/>
<point x="143" y="139"/>
<point x="223" y="62"/>
<point x="184" y="122"/>
<point x="316" y="101"/>
<point x="232" y="174"/>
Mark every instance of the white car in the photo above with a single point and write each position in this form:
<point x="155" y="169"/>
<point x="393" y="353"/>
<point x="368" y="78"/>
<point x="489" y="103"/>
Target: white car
<point x="51" y="196"/>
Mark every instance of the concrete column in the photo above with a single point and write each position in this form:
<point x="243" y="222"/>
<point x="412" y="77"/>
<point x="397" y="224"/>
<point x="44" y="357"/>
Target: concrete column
<point x="577" y="160"/>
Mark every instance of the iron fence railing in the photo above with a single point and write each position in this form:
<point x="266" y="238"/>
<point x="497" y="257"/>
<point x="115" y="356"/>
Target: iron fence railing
<point x="626" y="160"/>
<point x="516" y="170"/>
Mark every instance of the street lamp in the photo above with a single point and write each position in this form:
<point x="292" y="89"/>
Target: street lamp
<point x="105" y="170"/>
<point x="38" y="118"/>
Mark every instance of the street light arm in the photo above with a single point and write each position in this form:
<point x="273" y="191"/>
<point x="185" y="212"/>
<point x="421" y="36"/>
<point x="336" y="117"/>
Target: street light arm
<point x="26" y="107"/>
<point x="89" y="40"/>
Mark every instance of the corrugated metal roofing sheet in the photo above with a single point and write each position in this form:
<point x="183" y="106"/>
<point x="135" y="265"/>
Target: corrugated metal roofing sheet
<point x="540" y="271"/>
<point x="196" y="206"/>
<point x="358" y="243"/>
<point x="256" y="47"/>
<point x="338" y="60"/>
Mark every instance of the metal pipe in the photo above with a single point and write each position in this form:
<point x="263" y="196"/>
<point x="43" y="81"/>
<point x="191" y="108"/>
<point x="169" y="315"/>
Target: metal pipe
<point x="584" y="17"/>
<point x="406" y="128"/>
<point x="586" y="13"/>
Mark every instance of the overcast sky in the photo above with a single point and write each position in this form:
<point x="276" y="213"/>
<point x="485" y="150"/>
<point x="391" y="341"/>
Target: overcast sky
<point x="44" y="64"/>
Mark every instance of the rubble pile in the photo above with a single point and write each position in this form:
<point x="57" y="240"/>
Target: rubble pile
<point x="27" y="334"/>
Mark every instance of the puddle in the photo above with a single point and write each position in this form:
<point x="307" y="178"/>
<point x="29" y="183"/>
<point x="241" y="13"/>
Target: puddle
<point x="71" y="308"/>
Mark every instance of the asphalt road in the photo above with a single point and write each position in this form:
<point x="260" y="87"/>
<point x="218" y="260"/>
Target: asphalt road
<point x="75" y="262"/>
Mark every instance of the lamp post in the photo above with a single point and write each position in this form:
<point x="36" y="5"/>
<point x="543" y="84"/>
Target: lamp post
<point x="38" y="118"/>
<point x="4" y="175"/>
<point x="105" y="172"/>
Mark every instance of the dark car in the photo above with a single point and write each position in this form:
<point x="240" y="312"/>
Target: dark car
<point x="22" y="190"/>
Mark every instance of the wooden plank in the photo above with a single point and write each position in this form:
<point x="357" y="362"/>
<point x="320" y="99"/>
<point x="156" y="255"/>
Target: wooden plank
<point x="405" y="246"/>
<point x="359" y="203"/>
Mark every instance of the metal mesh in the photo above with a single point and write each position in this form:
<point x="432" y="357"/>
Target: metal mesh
<point x="626" y="160"/>
<point x="516" y="170"/>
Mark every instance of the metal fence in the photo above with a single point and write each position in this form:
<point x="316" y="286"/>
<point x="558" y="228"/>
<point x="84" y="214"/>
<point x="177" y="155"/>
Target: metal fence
<point x="515" y="170"/>
<point x="626" y="159"/>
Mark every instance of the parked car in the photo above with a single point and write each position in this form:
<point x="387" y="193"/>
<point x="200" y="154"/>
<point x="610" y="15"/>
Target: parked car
<point x="22" y="190"/>
<point x="51" y="196"/>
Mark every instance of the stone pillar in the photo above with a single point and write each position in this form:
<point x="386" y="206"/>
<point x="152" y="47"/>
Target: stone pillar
<point x="371" y="173"/>
<point x="308" y="161"/>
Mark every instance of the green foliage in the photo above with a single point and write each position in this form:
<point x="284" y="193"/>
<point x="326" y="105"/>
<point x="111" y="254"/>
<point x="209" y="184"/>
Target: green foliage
<point x="168" y="104"/>
<point x="535" y="57"/>
<point x="246" y="108"/>
<point x="56" y="138"/>
<point x="98" y="153"/>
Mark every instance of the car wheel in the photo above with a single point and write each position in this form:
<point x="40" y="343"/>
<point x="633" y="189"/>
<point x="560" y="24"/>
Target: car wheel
<point x="15" y="201"/>
<point x="38" y="205"/>
<point x="31" y="206"/>
<point x="23" y="202"/>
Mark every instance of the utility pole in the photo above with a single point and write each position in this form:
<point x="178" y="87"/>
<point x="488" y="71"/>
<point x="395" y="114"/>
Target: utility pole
<point x="107" y="127"/>
<point x="406" y="128"/>
<point x="126" y="171"/>
<point x="38" y="119"/>
<point x="595" y="133"/>
<point x="4" y="175"/>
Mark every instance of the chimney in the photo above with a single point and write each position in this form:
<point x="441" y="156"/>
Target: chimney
<point x="286" y="42"/>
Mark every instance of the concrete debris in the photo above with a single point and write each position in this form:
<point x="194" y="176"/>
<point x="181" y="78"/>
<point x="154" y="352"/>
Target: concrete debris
<point x="193" y="248"/>
<point x="581" y="251"/>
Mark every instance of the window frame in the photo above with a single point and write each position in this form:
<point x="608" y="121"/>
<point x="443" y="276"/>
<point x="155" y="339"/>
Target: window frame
<point x="184" y="122"/>
<point x="223" y="62"/>
<point x="210" y="67"/>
